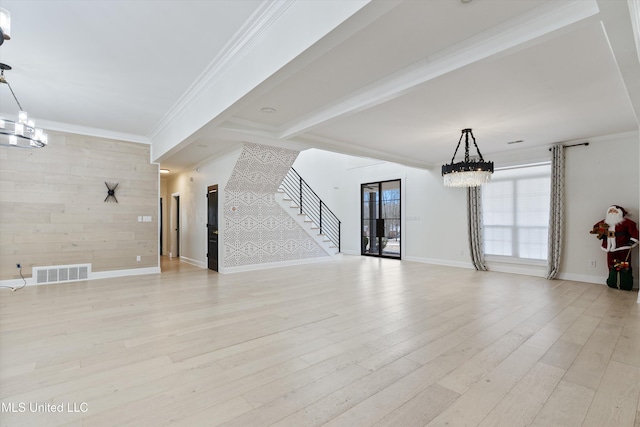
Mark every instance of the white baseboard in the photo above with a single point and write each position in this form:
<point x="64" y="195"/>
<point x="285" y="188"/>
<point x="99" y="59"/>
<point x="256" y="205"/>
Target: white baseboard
<point x="444" y="262"/>
<point x="521" y="269"/>
<point x="600" y="280"/>
<point x="95" y="275"/>
<point x="192" y="261"/>
<point x="582" y="278"/>
<point x="348" y="252"/>
<point x="525" y="270"/>
<point x="17" y="283"/>
<point x="123" y="273"/>
<point x="253" y="267"/>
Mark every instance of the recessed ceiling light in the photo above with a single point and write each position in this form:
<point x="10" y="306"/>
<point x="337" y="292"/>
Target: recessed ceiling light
<point x="202" y="146"/>
<point x="267" y="110"/>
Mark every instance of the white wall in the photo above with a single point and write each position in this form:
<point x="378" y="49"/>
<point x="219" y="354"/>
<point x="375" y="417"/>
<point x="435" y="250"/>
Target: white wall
<point x="165" y="215"/>
<point x="598" y="176"/>
<point x="434" y="217"/>
<point x="192" y="187"/>
<point x="325" y="172"/>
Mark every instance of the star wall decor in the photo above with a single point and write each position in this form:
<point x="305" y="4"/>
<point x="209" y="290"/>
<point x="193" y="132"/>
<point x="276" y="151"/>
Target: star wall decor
<point x="111" y="192"/>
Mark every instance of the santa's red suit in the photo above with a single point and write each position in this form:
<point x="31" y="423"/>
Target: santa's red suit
<point x="620" y="236"/>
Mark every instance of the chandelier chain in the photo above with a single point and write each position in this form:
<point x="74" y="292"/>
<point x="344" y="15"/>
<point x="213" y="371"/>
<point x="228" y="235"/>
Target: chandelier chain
<point x="14" y="95"/>
<point x="467" y="173"/>
<point x="477" y="149"/>
<point x="466" y="145"/>
<point x="456" y="152"/>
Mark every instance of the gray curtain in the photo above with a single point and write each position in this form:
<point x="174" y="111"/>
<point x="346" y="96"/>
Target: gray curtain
<point x="556" y="214"/>
<point x="474" y="220"/>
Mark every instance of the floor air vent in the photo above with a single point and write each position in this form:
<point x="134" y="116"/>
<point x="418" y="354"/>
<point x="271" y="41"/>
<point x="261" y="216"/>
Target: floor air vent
<point x="61" y="273"/>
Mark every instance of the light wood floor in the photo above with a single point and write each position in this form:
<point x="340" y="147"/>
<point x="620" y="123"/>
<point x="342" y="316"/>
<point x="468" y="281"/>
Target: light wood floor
<point x="359" y="342"/>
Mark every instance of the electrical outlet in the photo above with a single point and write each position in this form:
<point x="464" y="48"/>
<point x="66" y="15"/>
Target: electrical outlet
<point x="592" y="263"/>
<point x="18" y="266"/>
<point x="138" y="258"/>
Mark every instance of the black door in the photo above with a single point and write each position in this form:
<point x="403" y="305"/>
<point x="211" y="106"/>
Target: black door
<point x="161" y="219"/>
<point x="177" y="199"/>
<point x="380" y="224"/>
<point x="212" y="226"/>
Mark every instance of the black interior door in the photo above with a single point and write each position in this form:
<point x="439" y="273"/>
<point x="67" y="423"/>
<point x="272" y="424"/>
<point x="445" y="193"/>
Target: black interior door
<point x="177" y="199"/>
<point x="161" y="219"/>
<point x="212" y="227"/>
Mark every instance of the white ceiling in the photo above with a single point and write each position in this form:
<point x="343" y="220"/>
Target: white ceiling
<point x="395" y="80"/>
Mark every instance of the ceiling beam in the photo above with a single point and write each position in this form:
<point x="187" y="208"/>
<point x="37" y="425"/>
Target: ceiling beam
<point x="621" y="24"/>
<point x="511" y="34"/>
<point x="263" y="48"/>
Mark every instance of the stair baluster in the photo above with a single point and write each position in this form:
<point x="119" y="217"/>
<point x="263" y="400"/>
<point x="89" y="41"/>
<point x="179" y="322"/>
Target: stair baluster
<point x="310" y="204"/>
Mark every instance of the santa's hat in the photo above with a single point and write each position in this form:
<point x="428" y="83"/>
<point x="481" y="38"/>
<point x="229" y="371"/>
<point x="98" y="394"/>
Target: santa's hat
<point x="621" y="209"/>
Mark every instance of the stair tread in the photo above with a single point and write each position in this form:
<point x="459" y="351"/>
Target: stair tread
<point x="322" y="239"/>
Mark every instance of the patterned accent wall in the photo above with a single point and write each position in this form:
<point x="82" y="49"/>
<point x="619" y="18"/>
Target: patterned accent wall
<point x="257" y="230"/>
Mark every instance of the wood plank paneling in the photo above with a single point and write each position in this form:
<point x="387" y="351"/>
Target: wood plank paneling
<point x="52" y="208"/>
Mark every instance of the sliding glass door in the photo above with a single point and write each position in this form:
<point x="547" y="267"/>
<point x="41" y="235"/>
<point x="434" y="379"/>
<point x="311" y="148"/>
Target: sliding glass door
<point x="380" y="232"/>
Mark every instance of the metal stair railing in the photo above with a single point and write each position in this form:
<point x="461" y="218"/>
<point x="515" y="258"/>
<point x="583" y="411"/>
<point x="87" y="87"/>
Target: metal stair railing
<point x="310" y="204"/>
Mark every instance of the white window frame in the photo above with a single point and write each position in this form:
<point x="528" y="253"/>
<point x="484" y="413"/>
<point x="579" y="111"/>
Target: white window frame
<point x="516" y="259"/>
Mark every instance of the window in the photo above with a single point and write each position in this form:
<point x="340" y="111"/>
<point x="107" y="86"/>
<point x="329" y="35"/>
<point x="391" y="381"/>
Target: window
<point x="515" y="207"/>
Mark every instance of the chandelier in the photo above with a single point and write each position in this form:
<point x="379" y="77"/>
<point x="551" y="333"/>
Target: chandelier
<point x="5" y="25"/>
<point x="22" y="133"/>
<point x="468" y="173"/>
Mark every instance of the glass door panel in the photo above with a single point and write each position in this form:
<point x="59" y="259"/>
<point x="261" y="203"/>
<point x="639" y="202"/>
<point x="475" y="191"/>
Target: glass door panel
<point x="370" y="210"/>
<point x="380" y="232"/>
<point x="391" y="214"/>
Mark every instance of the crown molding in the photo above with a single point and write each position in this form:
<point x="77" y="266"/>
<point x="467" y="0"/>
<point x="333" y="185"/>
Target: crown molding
<point x="247" y="130"/>
<point x="90" y="131"/>
<point x="241" y="130"/>
<point x="511" y="34"/>
<point x="329" y="144"/>
<point x="236" y="48"/>
<point x="634" y="12"/>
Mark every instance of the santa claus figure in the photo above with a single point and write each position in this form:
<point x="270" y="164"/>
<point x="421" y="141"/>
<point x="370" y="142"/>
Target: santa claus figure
<point x="618" y="234"/>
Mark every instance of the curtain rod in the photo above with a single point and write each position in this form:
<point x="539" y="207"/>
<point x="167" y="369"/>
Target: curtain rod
<point x="574" y="145"/>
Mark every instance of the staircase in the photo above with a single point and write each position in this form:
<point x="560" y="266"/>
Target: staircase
<point x="310" y="211"/>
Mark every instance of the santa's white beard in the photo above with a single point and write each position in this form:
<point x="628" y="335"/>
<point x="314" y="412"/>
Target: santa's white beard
<point x="613" y="218"/>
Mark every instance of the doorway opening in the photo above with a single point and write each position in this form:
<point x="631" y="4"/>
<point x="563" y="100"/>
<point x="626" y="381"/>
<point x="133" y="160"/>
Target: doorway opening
<point x="380" y="219"/>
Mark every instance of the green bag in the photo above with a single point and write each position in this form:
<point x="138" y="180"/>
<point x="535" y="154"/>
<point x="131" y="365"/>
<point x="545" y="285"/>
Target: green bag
<point x="620" y="278"/>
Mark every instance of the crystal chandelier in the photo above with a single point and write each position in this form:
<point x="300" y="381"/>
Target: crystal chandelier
<point x="468" y="173"/>
<point x="22" y="133"/>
